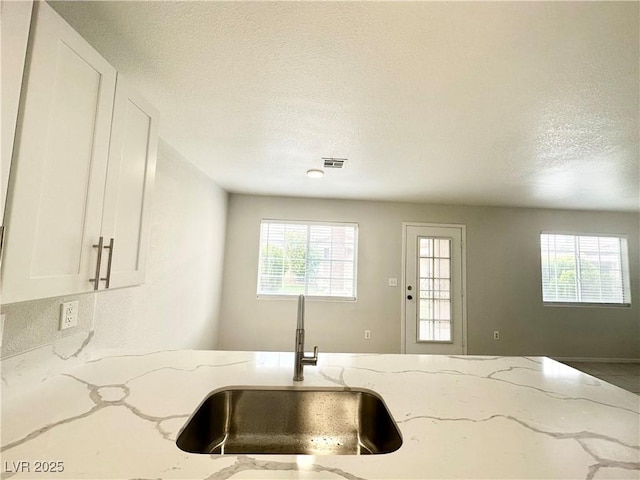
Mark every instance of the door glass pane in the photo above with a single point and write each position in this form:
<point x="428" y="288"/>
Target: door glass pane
<point x="434" y="306"/>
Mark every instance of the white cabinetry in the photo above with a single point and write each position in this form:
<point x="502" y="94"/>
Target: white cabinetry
<point x="130" y="176"/>
<point x="76" y="175"/>
<point x="15" y="18"/>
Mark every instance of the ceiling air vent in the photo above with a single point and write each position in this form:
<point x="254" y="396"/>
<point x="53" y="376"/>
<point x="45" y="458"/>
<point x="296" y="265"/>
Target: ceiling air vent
<point x="330" y="162"/>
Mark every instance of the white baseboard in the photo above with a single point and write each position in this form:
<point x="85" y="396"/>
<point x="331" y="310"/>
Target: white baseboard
<point x="597" y="360"/>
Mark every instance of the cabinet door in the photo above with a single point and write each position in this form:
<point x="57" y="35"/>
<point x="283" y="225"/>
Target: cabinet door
<point x="127" y="204"/>
<point x="59" y="164"/>
<point x="15" y="18"/>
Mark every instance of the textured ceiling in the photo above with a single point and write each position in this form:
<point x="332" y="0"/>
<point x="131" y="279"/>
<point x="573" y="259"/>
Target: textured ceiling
<point x="480" y="103"/>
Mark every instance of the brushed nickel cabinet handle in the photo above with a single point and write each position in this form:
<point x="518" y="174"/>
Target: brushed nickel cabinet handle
<point x="1" y="242"/>
<point x="96" y="278"/>
<point x="107" y="279"/>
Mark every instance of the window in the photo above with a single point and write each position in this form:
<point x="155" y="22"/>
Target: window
<point x="584" y="269"/>
<point x="434" y="308"/>
<point x="317" y="259"/>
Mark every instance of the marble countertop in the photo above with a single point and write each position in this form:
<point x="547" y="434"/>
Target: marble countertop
<point x="116" y="416"/>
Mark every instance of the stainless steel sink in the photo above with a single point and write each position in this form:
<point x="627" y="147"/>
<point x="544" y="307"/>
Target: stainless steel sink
<point x="313" y="421"/>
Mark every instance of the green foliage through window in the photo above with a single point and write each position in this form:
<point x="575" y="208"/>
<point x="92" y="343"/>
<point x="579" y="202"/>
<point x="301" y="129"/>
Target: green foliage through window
<point x="316" y="259"/>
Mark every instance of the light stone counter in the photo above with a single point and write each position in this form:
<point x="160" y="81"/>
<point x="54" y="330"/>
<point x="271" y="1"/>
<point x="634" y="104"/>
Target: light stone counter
<point x="117" y="416"/>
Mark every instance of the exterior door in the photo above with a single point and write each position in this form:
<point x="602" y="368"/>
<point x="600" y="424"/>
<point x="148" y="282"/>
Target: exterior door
<point x="434" y="314"/>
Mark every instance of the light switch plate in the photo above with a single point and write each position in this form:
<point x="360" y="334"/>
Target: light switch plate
<point x="393" y="282"/>
<point x="68" y="315"/>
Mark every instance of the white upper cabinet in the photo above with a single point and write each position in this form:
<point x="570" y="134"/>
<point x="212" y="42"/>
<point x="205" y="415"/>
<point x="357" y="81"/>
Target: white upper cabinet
<point x="74" y="183"/>
<point x="15" y="18"/>
<point x="59" y="164"/>
<point x="130" y="176"/>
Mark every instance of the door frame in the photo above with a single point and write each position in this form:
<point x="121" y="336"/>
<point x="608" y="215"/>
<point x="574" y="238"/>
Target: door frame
<point x="463" y="259"/>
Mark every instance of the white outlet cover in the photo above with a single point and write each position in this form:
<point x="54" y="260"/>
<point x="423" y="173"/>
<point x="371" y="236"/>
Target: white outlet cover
<point x="68" y="315"/>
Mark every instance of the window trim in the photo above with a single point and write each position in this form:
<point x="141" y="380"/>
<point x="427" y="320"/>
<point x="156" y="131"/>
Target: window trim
<point x="328" y="298"/>
<point x="624" y="261"/>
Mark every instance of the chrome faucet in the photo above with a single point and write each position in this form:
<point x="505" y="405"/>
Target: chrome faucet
<point x="301" y="359"/>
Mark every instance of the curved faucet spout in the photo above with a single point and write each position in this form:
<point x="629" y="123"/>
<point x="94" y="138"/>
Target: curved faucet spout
<point x="301" y="360"/>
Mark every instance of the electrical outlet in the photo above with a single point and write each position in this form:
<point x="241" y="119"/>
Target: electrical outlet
<point x="496" y="334"/>
<point x="68" y="315"/>
<point x="367" y="334"/>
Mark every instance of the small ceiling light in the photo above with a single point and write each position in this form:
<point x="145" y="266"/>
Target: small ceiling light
<point x="313" y="173"/>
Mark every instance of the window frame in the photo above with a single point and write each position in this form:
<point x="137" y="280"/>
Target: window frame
<point x="308" y="223"/>
<point x="624" y="264"/>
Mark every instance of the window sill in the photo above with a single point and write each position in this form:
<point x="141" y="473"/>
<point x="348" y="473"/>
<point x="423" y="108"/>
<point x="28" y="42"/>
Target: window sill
<point x="262" y="296"/>
<point x="586" y="304"/>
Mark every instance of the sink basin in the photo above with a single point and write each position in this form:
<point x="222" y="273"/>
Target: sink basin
<point x="313" y="421"/>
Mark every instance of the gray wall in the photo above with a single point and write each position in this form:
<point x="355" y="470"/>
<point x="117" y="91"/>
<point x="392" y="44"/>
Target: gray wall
<point x="503" y="281"/>
<point x="179" y="303"/>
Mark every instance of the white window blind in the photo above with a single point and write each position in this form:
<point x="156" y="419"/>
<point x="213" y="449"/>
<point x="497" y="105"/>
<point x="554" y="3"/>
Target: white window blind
<point x="317" y="259"/>
<point x="584" y="269"/>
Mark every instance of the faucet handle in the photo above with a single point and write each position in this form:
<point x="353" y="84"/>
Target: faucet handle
<point x="304" y="360"/>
